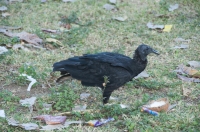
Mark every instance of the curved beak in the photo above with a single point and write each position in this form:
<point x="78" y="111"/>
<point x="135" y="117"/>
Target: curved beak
<point x="155" y="52"/>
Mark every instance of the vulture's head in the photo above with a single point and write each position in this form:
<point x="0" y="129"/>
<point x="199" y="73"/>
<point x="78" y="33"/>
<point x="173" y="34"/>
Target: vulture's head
<point x="143" y="50"/>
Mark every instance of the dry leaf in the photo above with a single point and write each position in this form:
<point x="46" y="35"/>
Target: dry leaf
<point x="173" y="7"/>
<point x="30" y="38"/>
<point x="3" y="50"/>
<point x="187" y="70"/>
<point x="143" y="74"/>
<point x="186" y="91"/>
<point x="49" y="30"/>
<point x="109" y="7"/>
<point x="5" y="14"/>
<point x="187" y="79"/>
<point x="121" y="19"/>
<point x="3" y="8"/>
<point x="181" y="40"/>
<point x="52" y="120"/>
<point x="54" y="40"/>
<point x="194" y="64"/>
<point x="84" y="96"/>
<point x="79" y="108"/>
<point x="113" y="1"/>
<point x="152" y="26"/>
<point x="182" y="46"/>
<point x="2" y="114"/>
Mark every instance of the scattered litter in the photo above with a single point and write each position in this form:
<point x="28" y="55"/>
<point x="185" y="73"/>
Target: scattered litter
<point x="78" y="108"/>
<point x="113" y="98"/>
<point x="3" y="50"/>
<point x="154" y="113"/>
<point x="28" y="102"/>
<point x="187" y="79"/>
<point x="121" y="19"/>
<point x="96" y="123"/>
<point x="49" y="30"/>
<point x="113" y="1"/>
<point x="3" y="8"/>
<point x="143" y="74"/>
<point x="5" y="14"/>
<point x="84" y="96"/>
<point x="69" y="1"/>
<point x="29" y="78"/>
<point x="181" y="69"/>
<point x="26" y="126"/>
<point x="109" y="7"/>
<point x="173" y="7"/>
<point x="60" y="126"/>
<point x="19" y="47"/>
<point x="52" y="120"/>
<point x="55" y="41"/>
<point x="181" y="46"/>
<point x="152" y="26"/>
<point x="47" y="106"/>
<point x="2" y="114"/>
<point x="167" y="28"/>
<point x="158" y="105"/>
<point x="124" y="106"/>
<point x="181" y="40"/>
<point x="194" y="64"/>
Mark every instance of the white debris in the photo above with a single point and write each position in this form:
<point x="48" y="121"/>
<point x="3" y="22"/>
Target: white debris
<point x="29" y="78"/>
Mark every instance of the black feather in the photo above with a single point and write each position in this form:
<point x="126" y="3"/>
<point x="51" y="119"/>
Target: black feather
<point x="91" y="69"/>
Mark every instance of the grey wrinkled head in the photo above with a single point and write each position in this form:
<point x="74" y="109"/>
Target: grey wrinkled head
<point x="144" y="50"/>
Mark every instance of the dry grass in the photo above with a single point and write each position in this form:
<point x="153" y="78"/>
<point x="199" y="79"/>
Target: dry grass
<point x="105" y="34"/>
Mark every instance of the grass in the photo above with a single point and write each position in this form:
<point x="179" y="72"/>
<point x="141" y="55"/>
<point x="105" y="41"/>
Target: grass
<point x="93" y="30"/>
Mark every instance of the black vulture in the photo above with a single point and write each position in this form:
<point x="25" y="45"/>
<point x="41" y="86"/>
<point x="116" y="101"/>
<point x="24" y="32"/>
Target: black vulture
<point x="92" y="69"/>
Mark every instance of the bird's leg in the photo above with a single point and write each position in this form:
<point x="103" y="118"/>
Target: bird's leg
<point x="106" y="96"/>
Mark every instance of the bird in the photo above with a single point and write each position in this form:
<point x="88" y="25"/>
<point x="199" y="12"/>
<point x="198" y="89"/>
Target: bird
<point x="106" y="70"/>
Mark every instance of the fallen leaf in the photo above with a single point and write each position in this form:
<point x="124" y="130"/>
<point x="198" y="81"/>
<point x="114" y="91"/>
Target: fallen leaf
<point x="173" y="7"/>
<point x="59" y="126"/>
<point x="79" y="108"/>
<point x="121" y="19"/>
<point x="19" y="46"/>
<point x="3" y="50"/>
<point x="167" y="28"/>
<point x="113" y="1"/>
<point x="162" y="16"/>
<point x="187" y="79"/>
<point x="68" y="0"/>
<point x="5" y="14"/>
<point x="30" y="38"/>
<point x="187" y="70"/>
<point x="143" y="74"/>
<point x="152" y="26"/>
<point x="55" y="41"/>
<point x="28" y="102"/>
<point x="194" y="64"/>
<point x="3" y="8"/>
<point x="84" y="96"/>
<point x="109" y="7"/>
<point x="171" y="107"/>
<point x="31" y="79"/>
<point x="2" y="114"/>
<point x="186" y="91"/>
<point x="181" y="46"/>
<point x="29" y="126"/>
<point x="52" y="120"/>
<point x="181" y="40"/>
<point x="49" y="30"/>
